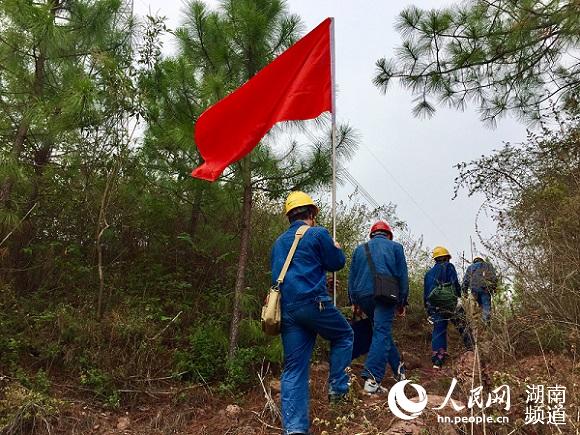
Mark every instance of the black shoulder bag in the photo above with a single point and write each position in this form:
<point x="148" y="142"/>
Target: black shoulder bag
<point x="386" y="288"/>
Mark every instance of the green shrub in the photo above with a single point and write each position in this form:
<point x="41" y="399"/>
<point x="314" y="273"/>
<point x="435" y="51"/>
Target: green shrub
<point x="242" y="369"/>
<point x="552" y="337"/>
<point x="102" y="385"/>
<point x="25" y="411"/>
<point x="207" y="353"/>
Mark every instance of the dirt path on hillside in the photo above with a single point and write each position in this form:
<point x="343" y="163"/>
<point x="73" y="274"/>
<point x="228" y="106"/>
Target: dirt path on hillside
<point x="205" y="410"/>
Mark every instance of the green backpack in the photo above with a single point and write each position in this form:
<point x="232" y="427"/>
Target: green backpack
<point x="443" y="296"/>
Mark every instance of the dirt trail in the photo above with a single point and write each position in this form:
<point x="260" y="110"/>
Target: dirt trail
<point x="204" y="410"/>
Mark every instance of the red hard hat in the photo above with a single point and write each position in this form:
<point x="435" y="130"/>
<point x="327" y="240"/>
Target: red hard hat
<point x="381" y="226"/>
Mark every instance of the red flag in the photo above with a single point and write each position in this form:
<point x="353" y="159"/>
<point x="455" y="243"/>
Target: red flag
<point x="296" y="85"/>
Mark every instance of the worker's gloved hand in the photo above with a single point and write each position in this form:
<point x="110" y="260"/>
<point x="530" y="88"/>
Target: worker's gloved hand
<point x="459" y="303"/>
<point x="336" y="244"/>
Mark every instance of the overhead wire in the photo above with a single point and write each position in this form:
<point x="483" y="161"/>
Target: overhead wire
<point x="406" y="192"/>
<point x="370" y="199"/>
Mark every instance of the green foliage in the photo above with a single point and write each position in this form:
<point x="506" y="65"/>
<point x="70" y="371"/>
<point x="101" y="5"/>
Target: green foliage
<point x="535" y="196"/>
<point x="205" y="358"/>
<point x="102" y="385"/>
<point x="25" y="411"/>
<point x="39" y="383"/>
<point x="241" y="370"/>
<point x="95" y="192"/>
<point x="552" y="338"/>
<point x="504" y="56"/>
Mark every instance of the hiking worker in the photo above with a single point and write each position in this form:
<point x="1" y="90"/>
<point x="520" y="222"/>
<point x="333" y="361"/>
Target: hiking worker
<point x="308" y="311"/>
<point x="481" y="279"/>
<point x="382" y="257"/>
<point x="442" y="299"/>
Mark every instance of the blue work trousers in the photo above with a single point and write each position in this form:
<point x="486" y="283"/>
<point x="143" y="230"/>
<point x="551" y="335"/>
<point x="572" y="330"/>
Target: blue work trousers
<point x="300" y="326"/>
<point x="383" y="348"/>
<point x="483" y="299"/>
<point x="439" y="336"/>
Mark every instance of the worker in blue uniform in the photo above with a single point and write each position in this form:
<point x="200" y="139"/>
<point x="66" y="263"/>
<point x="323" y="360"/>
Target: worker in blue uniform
<point x="443" y="272"/>
<point x="380" y="255"/>
<point x="308" y="311"/>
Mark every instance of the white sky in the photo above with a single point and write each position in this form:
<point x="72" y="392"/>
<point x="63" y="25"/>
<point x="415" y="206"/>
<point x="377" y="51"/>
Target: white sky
<point x="419" y="153"/>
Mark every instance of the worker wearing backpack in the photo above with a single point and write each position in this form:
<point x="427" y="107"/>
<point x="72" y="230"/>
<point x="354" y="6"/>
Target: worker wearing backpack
<point x="442" y="298"/>
<point x="481" y="278"/>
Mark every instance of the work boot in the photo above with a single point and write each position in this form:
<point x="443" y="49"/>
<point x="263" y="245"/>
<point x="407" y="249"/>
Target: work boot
<point x="437" y="361"/>
<point x="400" y="375"/>
<point x="372" y="387"/>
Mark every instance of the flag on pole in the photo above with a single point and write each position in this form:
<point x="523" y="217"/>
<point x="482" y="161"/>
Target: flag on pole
<point x="296" y="85"/>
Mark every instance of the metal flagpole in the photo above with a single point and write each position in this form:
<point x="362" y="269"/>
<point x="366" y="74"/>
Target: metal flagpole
<point x="333" y="134"/>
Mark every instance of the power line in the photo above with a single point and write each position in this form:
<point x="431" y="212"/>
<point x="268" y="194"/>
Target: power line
<point x="371" y="200"/>
<point x="407" y="193"/>
<point x="369" y="197"/>
<point x="349" y="177"/>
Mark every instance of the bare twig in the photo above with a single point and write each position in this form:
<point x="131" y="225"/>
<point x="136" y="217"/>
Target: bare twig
<point x="166" y="326"/>
<point x="270" y="404"/>
<point x="269" y="426"/>
<point x="18" y="224"/>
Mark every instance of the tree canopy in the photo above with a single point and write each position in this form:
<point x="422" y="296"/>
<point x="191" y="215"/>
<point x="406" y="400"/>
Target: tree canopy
<point x="500" y="55"/>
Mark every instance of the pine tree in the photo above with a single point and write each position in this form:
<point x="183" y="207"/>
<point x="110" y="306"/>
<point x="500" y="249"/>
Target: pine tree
<point x="503" y="55"/>
<point x="64" y="92"/>
<point x="219" y="51"/>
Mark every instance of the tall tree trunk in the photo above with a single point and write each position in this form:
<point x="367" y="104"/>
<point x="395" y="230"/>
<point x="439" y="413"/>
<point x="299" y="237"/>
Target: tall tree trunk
<point x="193" y="224"/>
<point x="243" y="260"/>
<point x="22" y="132"/>
<point x="102" y="226"/>
<point x="37" y="91"/>
<point x="17" y="149"/>
<point x="26" y="231"/>
<point x="195" y="212"/>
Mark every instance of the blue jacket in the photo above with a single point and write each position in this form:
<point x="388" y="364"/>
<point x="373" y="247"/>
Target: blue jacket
<point x="389" y="259"/>
<point x="435" y="275"/>
<point x="306" y="277"/>
<point x="479" y="276"/>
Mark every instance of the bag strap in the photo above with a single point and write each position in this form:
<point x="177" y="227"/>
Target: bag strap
<point x="370" y="260"/>
<point x="444" y="273"/>
<point x="299" y="233"/>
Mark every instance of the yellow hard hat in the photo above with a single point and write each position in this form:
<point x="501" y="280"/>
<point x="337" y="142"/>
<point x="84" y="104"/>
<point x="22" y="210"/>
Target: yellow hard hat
<point x="440" y="251"/>
<point x="299" y="199"/>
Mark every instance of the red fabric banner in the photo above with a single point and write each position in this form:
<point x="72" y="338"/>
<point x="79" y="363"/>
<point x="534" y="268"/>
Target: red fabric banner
<point x="295" y="86"/>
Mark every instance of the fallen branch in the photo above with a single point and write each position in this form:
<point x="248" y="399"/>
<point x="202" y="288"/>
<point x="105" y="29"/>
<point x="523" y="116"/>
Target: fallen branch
<point x="161" y="393"/>
<point x="270" y="403"/>
<point x="164" y="378"/>
<point x="269" y="426"/>
<point x="166" y="326"/>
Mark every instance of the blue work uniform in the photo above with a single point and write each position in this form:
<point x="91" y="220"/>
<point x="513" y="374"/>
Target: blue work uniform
<point x="479" y="277"/>
<point x="307" y="310"/>
<point x="444" y="272"/>
<point x="389" y="259"/>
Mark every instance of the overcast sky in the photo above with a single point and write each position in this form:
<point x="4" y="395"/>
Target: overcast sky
<point x="417" y="153"/>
